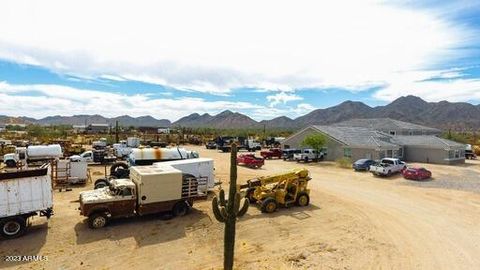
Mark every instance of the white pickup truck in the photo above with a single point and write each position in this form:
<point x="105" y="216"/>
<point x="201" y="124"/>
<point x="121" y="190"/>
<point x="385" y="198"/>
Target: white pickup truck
<point x="388" y="166"/>
<point x="307" y="155"/>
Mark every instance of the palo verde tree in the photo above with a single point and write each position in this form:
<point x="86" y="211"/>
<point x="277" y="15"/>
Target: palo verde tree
<point x="315" y="141"/>
<point x="227" y="211"/>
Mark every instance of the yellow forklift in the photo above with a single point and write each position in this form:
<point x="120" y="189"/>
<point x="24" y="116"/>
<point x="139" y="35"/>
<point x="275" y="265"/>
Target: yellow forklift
<point x="284" y="189"/>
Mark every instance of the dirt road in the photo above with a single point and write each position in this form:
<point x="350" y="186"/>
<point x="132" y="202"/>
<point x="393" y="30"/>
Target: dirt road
<point x="355" y="221"/>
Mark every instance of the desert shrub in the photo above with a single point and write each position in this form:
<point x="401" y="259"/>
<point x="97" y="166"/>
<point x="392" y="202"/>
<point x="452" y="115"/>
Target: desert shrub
<point x="344" y="162"/>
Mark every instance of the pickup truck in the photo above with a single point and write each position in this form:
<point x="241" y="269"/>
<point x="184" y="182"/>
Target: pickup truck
<point x="250" y="160"/>
<point x="271" y="153"/>
<point x="307" y="155"/>
<point x="388" y="166"/>
<point x="150" y="190"/>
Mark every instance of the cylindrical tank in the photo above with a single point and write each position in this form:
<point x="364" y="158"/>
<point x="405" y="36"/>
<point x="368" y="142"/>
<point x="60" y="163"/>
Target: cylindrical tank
<point x="51" y="151"/>
<point x="158" y="154"/>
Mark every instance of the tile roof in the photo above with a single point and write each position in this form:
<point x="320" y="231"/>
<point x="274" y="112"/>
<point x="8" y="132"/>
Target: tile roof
<point x="426" y="140"/>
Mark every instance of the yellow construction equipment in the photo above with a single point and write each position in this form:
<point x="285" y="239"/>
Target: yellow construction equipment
<point x="283" y="189"/>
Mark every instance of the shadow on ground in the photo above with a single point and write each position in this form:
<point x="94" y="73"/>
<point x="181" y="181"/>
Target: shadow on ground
<point x="146" y="230"/>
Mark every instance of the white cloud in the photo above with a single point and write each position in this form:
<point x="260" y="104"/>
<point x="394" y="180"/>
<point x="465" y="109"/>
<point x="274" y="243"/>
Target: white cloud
<point x="433" y="90"/>
<point x="282" y="97"/>
<point x="215" y="46"/>
<point x="40" y="100"/>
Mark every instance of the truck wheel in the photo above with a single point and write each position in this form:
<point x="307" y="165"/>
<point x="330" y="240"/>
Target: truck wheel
<point x="101" y="183"/>
<point x="180" y="209"/>
<point x="303" y="199"/>
<point x="119" y="170"/>
<point x="97" y="220"/>
<point x="306" y="160"/>
<point x="13" y="227"/>
<point x="389" y="173"/>
<point x="269" y="205"/>
<point x="11" y="164"/>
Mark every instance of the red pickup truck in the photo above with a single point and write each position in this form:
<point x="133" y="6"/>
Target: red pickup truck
<point x="250" y="160"/>
<point x="271" y="153"/>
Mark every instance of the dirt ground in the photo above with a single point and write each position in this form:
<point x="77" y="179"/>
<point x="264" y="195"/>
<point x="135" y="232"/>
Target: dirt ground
<point x="354" y="221"/>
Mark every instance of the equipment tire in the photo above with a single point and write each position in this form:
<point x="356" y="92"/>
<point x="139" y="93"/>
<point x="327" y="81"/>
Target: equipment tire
<point x="303" y="199"/>
<point x="269" y="205"/>
<point x="119" y="170"/>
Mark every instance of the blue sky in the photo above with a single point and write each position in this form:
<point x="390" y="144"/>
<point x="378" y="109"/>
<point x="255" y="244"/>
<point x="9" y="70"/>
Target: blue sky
<point x="263" y="59"/>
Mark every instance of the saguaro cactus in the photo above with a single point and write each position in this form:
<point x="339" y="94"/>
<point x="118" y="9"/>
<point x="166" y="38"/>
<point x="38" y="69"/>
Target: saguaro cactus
<point x="227" y="211"/>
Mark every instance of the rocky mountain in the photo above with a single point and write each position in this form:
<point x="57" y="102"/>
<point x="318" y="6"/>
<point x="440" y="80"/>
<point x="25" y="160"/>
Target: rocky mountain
<point x="344" y="111"/>
<point x="279" y="122"/>
<point x="413" y="109"/>
<point x="124" y="120"/>
<point x="224" y="120"/>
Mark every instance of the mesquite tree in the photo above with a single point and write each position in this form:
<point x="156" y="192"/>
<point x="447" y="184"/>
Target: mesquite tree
<point x="227" y="211"/>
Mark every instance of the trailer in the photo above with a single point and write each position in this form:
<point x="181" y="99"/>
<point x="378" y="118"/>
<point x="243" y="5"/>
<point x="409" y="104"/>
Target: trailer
<point x="24" y="194"/>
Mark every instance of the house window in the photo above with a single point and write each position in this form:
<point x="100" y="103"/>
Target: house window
<point x="400" y="152"/>
<point x="410" y="133"/>
<point x="393" y="132"/>
<point x="347" y="152"/>
<point x="451" y="154"/>
<point x="389" y="153"/>
<point x="457" y="153"/>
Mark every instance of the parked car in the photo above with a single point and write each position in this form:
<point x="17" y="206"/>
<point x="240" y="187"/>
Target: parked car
<point x="387" y="167"/>
<point x="271" y="153"/>
<point x="211" y="145"/>
<point x="416" y="174"/>
<point x="363" y="164"/>
<point x="288" y="153"/>
<point x="250" y="160"/>
<point x="307" y="155"/>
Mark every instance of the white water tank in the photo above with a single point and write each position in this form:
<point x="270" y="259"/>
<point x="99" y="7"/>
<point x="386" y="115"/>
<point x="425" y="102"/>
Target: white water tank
<point x="50" y="151"/>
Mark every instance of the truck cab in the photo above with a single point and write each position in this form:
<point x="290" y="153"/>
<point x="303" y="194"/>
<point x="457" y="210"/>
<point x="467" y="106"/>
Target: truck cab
<point x="117" y="200"/>
<point x="86" y="156"/>
<point x="12" y="159"/>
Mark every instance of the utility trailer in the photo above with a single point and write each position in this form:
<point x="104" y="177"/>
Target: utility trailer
<point x="24" y="194"/>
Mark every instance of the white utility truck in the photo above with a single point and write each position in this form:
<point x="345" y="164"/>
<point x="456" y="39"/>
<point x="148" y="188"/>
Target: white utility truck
<point x="388" y="166"/>
<point x="150" y="190"/>
<point x="33" y="153"/>
<point x="24" y="194"/>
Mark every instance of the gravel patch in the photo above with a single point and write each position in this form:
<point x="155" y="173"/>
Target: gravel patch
<point x="468" y="180"/>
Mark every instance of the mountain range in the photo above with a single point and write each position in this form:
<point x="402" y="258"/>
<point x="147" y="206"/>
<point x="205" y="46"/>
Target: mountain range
<point x="443" y="114"/>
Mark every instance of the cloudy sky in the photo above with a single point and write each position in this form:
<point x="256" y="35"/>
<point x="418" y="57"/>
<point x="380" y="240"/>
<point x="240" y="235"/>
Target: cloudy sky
<point x="262" y="58"/>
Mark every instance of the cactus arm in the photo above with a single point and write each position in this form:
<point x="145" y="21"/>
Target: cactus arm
<point x="216" y="211"/>
<point x="244" y="208"/>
